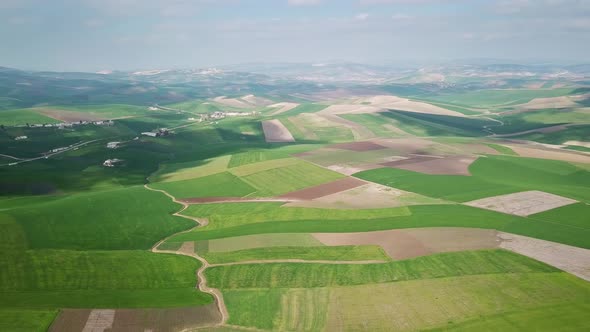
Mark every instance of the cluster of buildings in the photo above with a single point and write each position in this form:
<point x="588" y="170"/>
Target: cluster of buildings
<point x="158" y="133"/>
<point x="69" y="124"/>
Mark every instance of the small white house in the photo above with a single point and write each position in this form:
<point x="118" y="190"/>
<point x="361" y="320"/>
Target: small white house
<point x="150" y="134"/>
<point x="111" y="162"/>
<point x="113" y="145"/>
<point x="19" y="138"/>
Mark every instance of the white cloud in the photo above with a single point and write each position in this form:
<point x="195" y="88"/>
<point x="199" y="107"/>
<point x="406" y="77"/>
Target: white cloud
<point x="361" y="17"/>
<point x="304" y="2"/>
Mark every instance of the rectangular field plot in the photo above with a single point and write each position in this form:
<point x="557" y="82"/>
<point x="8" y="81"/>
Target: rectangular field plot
<point x="522" y="203"/>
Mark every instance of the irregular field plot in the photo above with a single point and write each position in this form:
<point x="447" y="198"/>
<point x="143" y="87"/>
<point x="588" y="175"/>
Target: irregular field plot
<point x="295" y="275"/>
<point x="420" y="304"/>
<point x="97" y="279"/>
<point x="336" y="253"/>
<point x="414" y="242"/>
<point x="367" y="196"/>
<point x="131" y="218"/>
<point x="226" y="215"/>
<point x="278" y="181"/>
<point x="456" y="165"/>
<point x="491" y="176"/>
<point x="324" y="189"/>
<point x="218" y="185"/>
<point x="190" y="170"/>
<point x="257" y="241"/>
<point x="123" y="320"/>
<point x="522" y="203"/>
<point x="34" y="320"/>
<point x="275" y="131"/>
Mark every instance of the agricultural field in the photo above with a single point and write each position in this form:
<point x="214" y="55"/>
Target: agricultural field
<point x="371" y="207"/>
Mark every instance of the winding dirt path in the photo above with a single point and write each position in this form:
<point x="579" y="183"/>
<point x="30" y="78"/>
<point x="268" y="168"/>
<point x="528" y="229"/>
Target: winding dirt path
<point x="201" y="279"/>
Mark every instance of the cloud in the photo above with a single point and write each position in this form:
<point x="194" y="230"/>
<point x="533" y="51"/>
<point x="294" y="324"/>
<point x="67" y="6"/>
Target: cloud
<point x="361" y="17"/>
<point x="304" y="2"/>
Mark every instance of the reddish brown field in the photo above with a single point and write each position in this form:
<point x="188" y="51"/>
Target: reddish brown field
<point x="456" y="165"/>
<point x="358" y="146"/>
<point x="324" y="189"/>
<point x="70" y="116"/>
<point x="141" y="320"/>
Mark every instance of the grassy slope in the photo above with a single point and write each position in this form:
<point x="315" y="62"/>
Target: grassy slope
<point x="24" y="116"/>
<point x="319" y="275"/>
<point x="491" y="176"/>
<point x="17" y="320"/>
<point x="60" y="278"/>
<point x="217" y="185"/>
<point x="420" y="216"/>
<point x="337" y="253"/>
<point x="132" y="218"/>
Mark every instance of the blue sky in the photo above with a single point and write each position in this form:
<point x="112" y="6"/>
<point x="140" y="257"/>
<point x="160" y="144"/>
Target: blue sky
<point x="93" y="35"/>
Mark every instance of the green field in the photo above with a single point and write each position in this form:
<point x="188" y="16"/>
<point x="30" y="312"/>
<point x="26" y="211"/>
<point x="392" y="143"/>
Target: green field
<point x="491" y="176"/>
<point x="24" y="116"/>
<point x="322" y="275"/>
<point x="222" y="184"/>
<point x="17" y="320"/>
<point x="338" y="253"/>
<point x="498" y="98"/>
<point x="228" y="215"/>
<point x="282" y="180"/>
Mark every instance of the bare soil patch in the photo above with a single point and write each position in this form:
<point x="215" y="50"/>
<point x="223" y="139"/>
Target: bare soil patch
<point x="232" y="102"/>
<point x="522" y="204"/>
<point x="455" y="165"/>
<point x="406" y="146"/>
<point x="275" y="131"/>
<point x="70" y="116"/>
<point x="138" y="320"/>
<point x="256" y="101"/>
<point x="367" y="196"/>
<point x="410" y="243"/>
<point x="570" y="259"/>
<point x="358" y="146"/>
<point x="351" y="169"/>
<point x="578" y="143"/>
<point x="551" y="102"/>
<point x="324" y="189"/>
<point x="403" y="104"/>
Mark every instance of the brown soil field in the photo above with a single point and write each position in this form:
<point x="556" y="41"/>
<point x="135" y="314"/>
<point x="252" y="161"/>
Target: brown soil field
<point x="136" y="320"/>
<point x="406" y="146"/>
<point x="545" y="153"/>
<point x="456" y="165"/>
<point x="410" y="243"/>
<point x="232" y="102"/>
<point x="349" y="169"/>
<point x="570" y="259"/>
<point x="275" y="131"/>
<point x="551" y="102"/>
<point x="358" y="146"/>
<point x="324" y="189"/>
<point x="367" y="196"/>
<point x="70" y="116"/>
<point x="522" y="203"/>
<point x="256" y="101"/>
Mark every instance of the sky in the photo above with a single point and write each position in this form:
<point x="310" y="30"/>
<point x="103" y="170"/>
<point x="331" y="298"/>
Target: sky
<point x="92" y="35"/>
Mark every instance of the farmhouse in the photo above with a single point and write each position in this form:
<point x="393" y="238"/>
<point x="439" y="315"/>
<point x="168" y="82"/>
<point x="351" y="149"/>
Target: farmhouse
<point x="113" y="145"/>
<point x="150" y="134"/>
<point x="18" y="138"/>
<point x="111" y="162"/>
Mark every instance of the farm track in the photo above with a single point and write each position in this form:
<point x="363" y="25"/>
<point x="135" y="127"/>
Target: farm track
<point x="201" y="279"/>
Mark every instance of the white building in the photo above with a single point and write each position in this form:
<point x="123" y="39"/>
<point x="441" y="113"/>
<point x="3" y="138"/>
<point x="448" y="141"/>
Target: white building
<point x="113" y="145"/>
<point x="20" y="138"/>
<point x="111" y="162"/>
<point x="150" y="134"/>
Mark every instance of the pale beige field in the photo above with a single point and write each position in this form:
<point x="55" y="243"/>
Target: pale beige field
<point x="276" y="132"/>
<point x="523" y="203"/>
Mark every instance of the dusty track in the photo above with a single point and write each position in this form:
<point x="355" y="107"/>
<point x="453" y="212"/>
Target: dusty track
<point x="201" y="279"/>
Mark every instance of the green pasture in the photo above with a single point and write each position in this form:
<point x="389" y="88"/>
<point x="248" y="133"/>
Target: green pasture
<point x="296" y="275"/>
<point x="490" y="98"/>
<point x="23" y="116"/>
<point x="222" y="184"/>
<point x="26" y="320"/>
